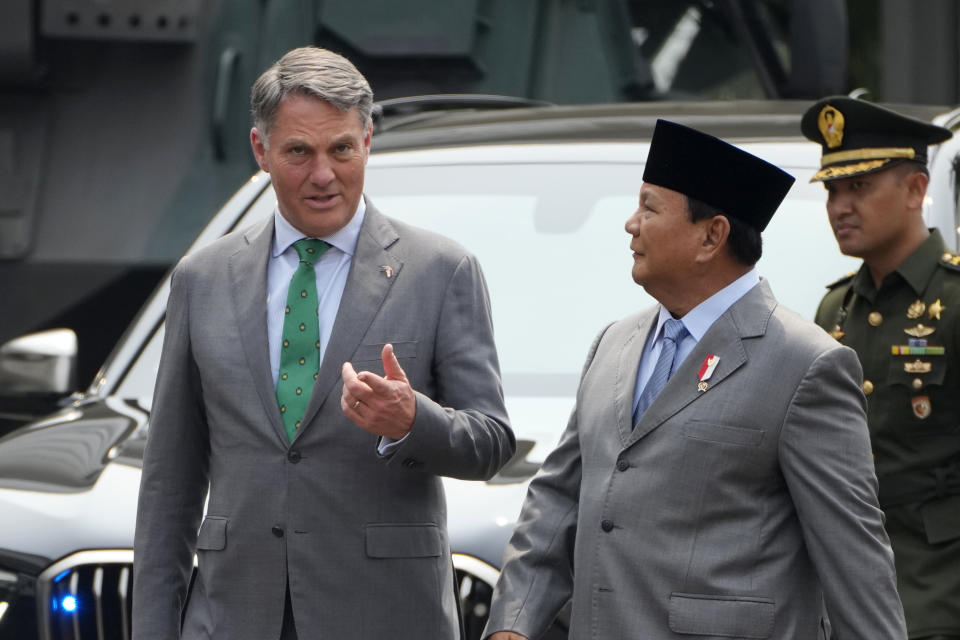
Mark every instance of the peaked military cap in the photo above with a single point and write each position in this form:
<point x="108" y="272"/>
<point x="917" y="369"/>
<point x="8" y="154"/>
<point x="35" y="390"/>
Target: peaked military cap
<point x="719" y="174"/>
<point x="860" y="137"/>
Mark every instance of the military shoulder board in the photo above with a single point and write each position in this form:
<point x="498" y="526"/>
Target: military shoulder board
<point x="950" y="260"/>
<point x="845" y="279"/>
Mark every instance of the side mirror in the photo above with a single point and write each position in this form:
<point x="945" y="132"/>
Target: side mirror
<point x="39" y="363"/>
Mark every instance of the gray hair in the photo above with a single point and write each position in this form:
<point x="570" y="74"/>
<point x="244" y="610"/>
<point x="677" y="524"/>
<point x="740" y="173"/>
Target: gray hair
<point x="310" y="71"/>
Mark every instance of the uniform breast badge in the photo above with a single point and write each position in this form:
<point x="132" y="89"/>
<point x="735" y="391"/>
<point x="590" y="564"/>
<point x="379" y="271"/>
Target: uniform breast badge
<point x="919" y="331"/>
<point x="706" y="370"/>
<point x="921" y="406"/>
<point x="917" y="366"/>
<point x="916" y="309"/>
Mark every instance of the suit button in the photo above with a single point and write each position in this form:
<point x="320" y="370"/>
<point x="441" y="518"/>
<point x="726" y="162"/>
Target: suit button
<point x="277" y="531"/>
<point x="622" y="465"/>
<point x="293" y="456"/>
<point x="607" y="526"/>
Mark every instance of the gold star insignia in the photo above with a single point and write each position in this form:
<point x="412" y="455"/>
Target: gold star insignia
<point x="936" y="308"/>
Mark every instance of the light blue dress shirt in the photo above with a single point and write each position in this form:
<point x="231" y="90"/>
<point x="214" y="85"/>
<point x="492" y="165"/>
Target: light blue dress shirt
<point x="331" y="271"/>
<point x="697" y="321"/>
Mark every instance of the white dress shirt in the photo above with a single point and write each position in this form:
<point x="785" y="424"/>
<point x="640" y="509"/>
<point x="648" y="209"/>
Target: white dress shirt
<point x="331" y="271"/>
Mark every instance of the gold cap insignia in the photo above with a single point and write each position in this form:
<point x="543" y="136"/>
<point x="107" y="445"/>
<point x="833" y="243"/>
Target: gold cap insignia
<point x="830" y="122"/>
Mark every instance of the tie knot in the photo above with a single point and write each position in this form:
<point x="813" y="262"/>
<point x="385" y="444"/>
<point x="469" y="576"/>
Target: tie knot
<point x="673" y="330"/>
<point x="310" y="249"/>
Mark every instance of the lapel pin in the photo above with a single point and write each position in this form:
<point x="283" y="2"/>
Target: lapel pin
<point x="706" y="370"/>
<point x="388" y="270"/>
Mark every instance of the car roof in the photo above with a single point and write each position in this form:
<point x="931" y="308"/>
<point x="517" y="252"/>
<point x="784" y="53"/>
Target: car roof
<point x="432" y="124"/>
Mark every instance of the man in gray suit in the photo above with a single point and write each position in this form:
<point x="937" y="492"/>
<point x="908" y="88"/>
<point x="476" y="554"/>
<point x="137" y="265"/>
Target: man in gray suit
<point x="326" y="514"/>
<point x="715" y="479"/>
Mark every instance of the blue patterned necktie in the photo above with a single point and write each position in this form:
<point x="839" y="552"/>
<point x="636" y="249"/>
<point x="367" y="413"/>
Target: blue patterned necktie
<point x="300" y="351"/>
<point x="673" y="333"/>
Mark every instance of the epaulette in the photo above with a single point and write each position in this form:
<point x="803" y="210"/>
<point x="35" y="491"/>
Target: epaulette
<point x="844" y="280"/>
<point x="950" y="260"/>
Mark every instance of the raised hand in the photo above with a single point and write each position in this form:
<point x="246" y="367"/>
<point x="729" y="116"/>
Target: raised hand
<point x="385" y="405"/>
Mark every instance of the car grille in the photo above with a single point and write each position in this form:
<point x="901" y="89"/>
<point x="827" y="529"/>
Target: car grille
<point x="86" y="596"/>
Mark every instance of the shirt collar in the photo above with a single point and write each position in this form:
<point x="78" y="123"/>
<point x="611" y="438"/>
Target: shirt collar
<point x="699" y="319"/>
<point x="916" y="270"/>
<point x="345" y="239"/>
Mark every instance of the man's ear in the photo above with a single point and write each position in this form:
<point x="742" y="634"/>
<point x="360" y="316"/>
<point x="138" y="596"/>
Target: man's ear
<point x="916" y="184"/>
<point x="258" y="143"/>
<point x="716" y="232"/>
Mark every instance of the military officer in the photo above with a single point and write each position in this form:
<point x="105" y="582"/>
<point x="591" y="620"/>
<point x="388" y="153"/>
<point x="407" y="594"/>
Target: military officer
<point x="901" y="314"/>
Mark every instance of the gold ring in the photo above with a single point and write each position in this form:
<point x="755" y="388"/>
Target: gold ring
<point x="356" y="404"/>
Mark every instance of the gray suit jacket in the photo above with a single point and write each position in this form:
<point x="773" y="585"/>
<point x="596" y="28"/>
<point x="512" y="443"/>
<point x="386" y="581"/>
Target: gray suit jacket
<point x="735" y="512"/>
<point x="361" y="538"/>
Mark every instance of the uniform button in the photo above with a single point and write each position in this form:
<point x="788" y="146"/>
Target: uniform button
<point x="607" y="525"/>
<point x="867" y="387"/>
<point x="293" y="456"/>
<point x="277" y="531"/>
<point x="622" y="465"/>
<point x="875" y="318"/>
<point x="917" y="383"/>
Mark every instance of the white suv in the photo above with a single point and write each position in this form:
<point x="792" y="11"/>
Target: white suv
<point x="540" y="195"/>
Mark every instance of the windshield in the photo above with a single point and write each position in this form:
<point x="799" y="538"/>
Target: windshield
<point x="548" y="230"/>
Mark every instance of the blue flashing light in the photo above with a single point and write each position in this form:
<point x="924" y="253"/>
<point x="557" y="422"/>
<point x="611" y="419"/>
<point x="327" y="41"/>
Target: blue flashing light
<point x="69" y="604"/>
<point x="61" y="575"/>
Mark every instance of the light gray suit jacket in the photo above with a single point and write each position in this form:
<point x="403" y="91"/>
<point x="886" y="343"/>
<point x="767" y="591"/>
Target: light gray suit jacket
<point x="361" y="538"/>
<point x="735" y="512"/>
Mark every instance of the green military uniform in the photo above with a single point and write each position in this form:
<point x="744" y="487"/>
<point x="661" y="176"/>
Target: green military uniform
<point x="906" y="334"/>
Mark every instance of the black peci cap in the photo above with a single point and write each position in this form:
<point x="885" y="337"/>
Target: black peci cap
<point x="708" y="169"/>
<point x="860" y="137"/>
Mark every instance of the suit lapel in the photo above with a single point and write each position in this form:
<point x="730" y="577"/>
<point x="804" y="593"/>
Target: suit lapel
<point x="248" y="277"/>
<point x="746" y="318"/>
<point x="373" y="271"/>
<point x="627" y="370"/>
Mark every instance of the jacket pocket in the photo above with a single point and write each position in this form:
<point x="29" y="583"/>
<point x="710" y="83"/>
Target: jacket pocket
<point x="723" y="616"/>
<point x="403" y="540"/>
<point x="213" y="534"/>
<point x="725" y="433"/>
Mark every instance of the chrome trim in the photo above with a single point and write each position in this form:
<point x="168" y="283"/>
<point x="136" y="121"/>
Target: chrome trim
<point x="122" y="592"/>
<point x="474" y="566"/>
<point x="97" y="590"/>
<point x="69" y="563"/>
<point x="74" y="584"/>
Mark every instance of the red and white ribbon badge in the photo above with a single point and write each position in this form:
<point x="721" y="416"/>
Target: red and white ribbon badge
<point x="706" y="370"/>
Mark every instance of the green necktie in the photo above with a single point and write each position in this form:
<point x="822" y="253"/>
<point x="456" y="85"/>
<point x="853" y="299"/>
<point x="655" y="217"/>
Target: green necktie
<point x="300" y="349"/>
